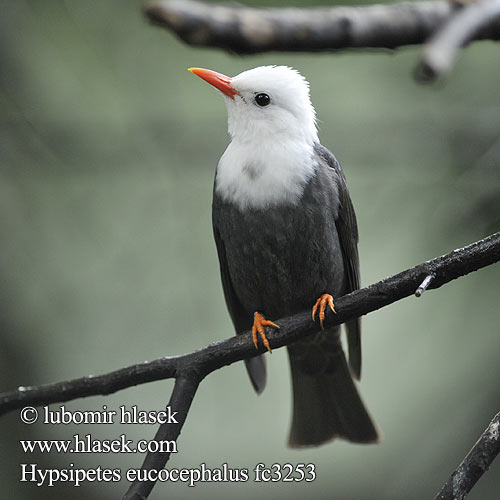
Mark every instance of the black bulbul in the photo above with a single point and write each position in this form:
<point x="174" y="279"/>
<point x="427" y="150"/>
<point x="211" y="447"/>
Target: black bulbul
<point x="287" y="238"/>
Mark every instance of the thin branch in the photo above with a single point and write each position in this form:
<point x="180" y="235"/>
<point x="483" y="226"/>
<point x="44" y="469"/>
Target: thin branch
<point x="474" y="465"/>
<point x="181" y="399"/>
<point x="200" y="363"/>
<point x="424" y="285"/>
<point x="91" y="385"/>
<point x="247" y="30"/>
<point x="443" y="48"/>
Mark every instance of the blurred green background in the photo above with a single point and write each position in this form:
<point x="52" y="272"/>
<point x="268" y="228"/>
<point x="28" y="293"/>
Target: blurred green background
<point x="107" y="156"/>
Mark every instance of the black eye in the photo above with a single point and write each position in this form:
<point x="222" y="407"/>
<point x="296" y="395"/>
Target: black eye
<point x="262" y="100"/>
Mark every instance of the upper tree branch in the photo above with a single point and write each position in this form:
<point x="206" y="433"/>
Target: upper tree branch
<point x="442" y="49"/>
<point x="247" y="30"/>
<point x="198" y="364"/>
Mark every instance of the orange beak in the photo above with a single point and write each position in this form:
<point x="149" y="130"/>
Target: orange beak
<point x="218" y="80"/>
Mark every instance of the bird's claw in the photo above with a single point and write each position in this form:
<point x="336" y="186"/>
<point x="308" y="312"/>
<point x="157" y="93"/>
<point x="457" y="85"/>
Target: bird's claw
<point x="322" y="302"/>
<point x="259" y="322"/>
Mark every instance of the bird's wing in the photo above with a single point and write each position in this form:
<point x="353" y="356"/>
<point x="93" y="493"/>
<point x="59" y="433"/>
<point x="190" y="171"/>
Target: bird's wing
<point x="347" y="230"/>
<point x="240" y="318"/>
<point x="242" y="321"/>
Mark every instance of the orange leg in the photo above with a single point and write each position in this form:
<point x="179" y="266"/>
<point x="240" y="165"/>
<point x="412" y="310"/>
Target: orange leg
<point x="259" y="322"/>
<point x="322" y="302"/>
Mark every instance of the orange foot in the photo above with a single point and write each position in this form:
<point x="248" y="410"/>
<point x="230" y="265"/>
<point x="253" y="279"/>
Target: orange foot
<point x="325" y="299"/>
<point x="259" y="322"/>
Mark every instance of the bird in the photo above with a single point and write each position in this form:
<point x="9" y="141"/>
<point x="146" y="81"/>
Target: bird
<point x="287" y="240"/>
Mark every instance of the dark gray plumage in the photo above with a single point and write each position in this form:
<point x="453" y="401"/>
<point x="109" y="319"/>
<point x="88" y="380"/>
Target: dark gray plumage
<point x="278" y="261"/>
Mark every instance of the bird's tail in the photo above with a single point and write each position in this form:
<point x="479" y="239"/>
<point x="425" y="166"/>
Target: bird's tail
<point x="326" y="403"/>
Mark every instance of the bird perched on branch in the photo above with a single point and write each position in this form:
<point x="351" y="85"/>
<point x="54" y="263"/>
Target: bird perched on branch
<point x="286" y="238"/>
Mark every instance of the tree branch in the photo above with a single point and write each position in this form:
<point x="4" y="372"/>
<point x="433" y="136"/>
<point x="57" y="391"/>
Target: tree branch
<point x="190" y="369"/>
<point x="200" y="363"/>
<point x="248" y="30"/>
<point x="424" y="285"/>
<point x="441" y="51"/>
<point x="474" y="465"/>
<point x="181" y="399"/>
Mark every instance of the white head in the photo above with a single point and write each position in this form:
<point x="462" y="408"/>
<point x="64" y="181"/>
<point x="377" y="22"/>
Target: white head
<point x="272" y="124"/>
<point x="266" y="100"/>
